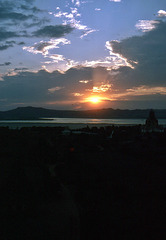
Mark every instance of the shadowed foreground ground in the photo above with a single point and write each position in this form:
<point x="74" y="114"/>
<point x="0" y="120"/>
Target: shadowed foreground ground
<point x="82" y="186"/>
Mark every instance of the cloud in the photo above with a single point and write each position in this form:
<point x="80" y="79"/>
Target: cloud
<point x="53" y="31"/>
<point x="143" y="91"/>
<point x="19" y="15"/>
<point x="15" y="16"/>
<point x="78" y="94"/>
<point x="138" y="48"/>
<point x="148" y="51"/>
<point x="102" y="88"/>
<point x="31" y="9"/>
<point x="99" y="62"/>
<point x="10" y="11"/>
<point x="113" y="61"/>
<point x="161" y="13"/>
<point x="146" y="25"/>
<point x="57" y="57"/>
<point x="71" y="88"/>
<point x="21" y="69"/>
<point x="7" y="34"/>
<point x="29" y="1"/>
<point x="21" y="43"/>
<point x="36" y="23"/>
<point x="71" y="18"/>
<point x="115" y="0"/>
<point x="6" y="6"/>
<point x="5" y="46"/>
<point x="5" y="64"/>
<point x="76" y="2"/>
<point x="54" y="89"/>
<point x="43" y="88"/>
<point x="43" y="47"/>
<point x="72" y="15"/>
<point x="117" y="59"/>
<point x="146" y="90"/>
<point x="11" y="42"/>
<point x="84" y="81"/>
<point x="87" y="32"/>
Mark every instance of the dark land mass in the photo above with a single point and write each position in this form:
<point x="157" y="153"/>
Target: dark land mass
<point x="94" y="184"/>
<point x="23" y="113"/>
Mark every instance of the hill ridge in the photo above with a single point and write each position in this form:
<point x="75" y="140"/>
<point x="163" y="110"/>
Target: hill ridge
<point x="35" y="113"/>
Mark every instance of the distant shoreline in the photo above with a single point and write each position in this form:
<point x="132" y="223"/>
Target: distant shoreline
<point x="74" y="123"/>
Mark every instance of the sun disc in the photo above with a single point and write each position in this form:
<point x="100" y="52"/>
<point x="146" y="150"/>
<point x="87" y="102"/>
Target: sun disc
<point x="94" y="99"/>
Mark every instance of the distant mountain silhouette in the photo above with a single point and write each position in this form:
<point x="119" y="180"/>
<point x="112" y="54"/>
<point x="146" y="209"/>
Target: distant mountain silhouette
<point x="34" y="113"/>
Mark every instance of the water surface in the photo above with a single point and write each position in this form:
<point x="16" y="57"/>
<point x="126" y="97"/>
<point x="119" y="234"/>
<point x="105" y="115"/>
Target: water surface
<point x="73" y="122"/>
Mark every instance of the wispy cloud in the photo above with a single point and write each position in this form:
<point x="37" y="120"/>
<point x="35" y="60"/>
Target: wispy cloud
<point x="54" y="89"/>
<point x="146" y="25"/>
<point x="115" y="0"/>
<point x="96" y="63"/>
<point x="87" y="32"/>
<point x="73" y="19"/>
<point x="76" y="2"/>
<point x="146" y="90"/>
<point x="84" y="81"/>
<point x="43" y="47"/>
<point x="56" y="57"/>
<point x="78" y="94"/>
<point x="143" y="90"/>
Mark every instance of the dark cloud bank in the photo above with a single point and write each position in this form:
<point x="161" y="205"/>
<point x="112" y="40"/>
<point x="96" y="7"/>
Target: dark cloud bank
<point x="16" y="16"/>
<point x="149" y="51"/>
<point x="34" y="88"/>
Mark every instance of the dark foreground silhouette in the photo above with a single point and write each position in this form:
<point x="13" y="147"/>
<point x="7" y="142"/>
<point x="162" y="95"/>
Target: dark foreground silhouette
<point x="98" y="183"/>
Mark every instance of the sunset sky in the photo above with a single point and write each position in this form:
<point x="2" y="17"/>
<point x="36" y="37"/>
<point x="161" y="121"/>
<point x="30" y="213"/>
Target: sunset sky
<point x="83" y="54"/>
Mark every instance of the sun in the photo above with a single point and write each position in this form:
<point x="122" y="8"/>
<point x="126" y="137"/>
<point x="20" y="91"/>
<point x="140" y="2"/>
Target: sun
<point x="94" y="99"/>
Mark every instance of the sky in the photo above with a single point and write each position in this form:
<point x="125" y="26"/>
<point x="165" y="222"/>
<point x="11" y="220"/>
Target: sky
<point x="83" y="54"/>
